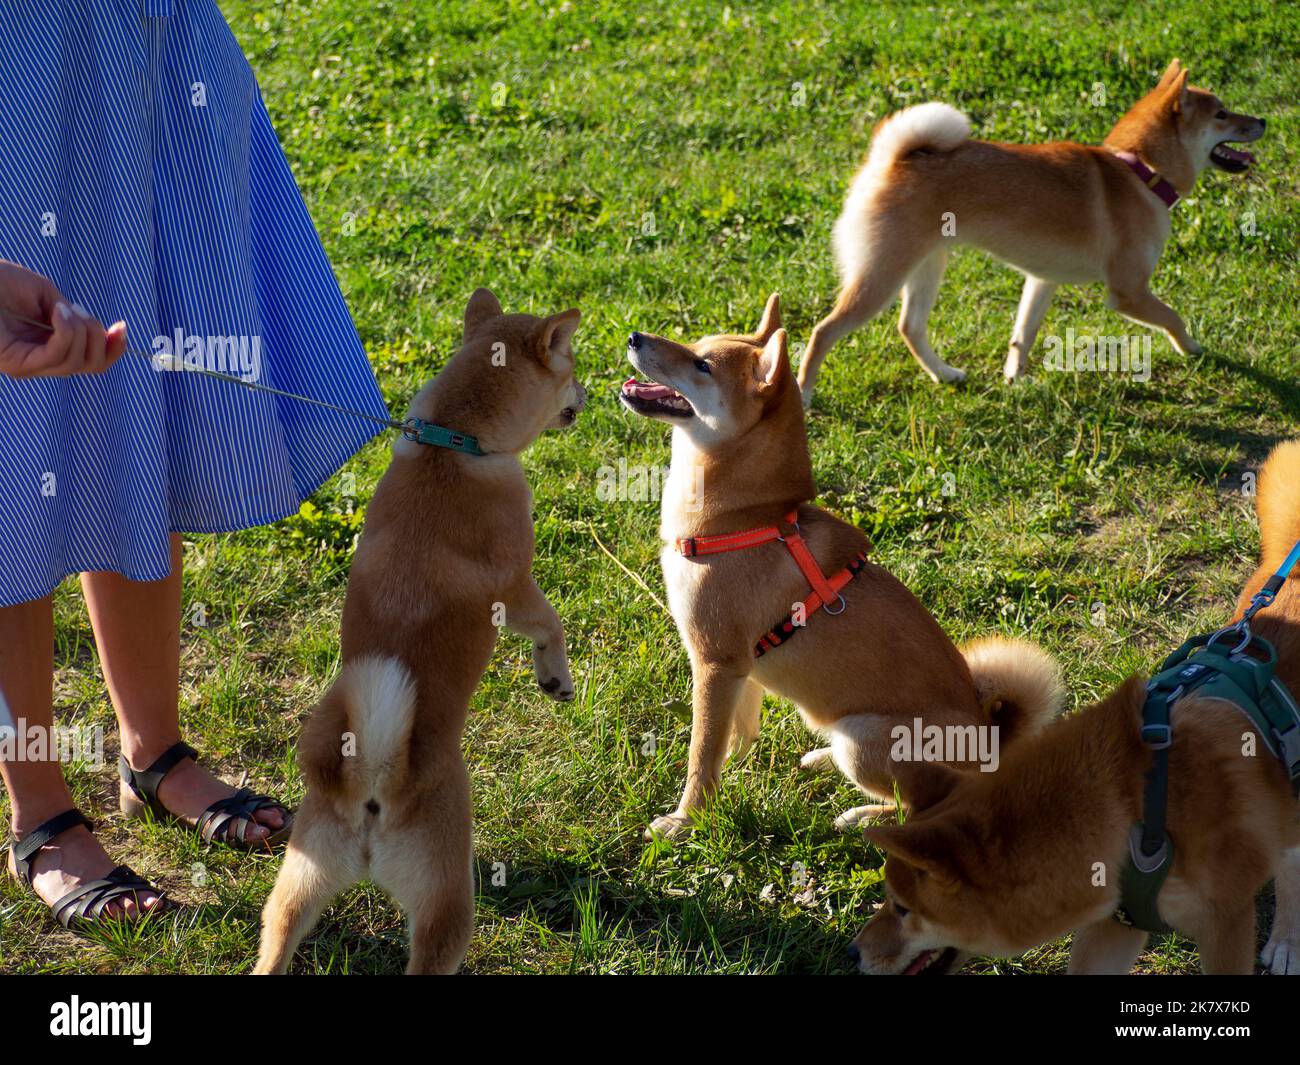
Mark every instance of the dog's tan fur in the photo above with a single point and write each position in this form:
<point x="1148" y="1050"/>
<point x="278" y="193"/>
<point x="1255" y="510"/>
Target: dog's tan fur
<point x="448" y="543"/>
<point x="883" y="662"/>
<point x="1060" y="213"/>
<point x="999" y="863"/>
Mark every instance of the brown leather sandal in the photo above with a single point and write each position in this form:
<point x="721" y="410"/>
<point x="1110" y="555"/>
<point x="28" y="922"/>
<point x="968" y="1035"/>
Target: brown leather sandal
<point x="214" y="824"/>
<point x="83" y="905"/>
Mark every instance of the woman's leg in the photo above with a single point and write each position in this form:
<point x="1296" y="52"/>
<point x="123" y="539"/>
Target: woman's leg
<point x="37" y="790"/>
<point x="137" y="630"/>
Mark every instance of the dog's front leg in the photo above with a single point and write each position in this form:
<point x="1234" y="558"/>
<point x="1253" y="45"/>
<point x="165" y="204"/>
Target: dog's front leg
<point x="1281" y="955"/>
<point x="528" y="613"/>
<point x="1034" y="298"/>
<point x="717" y="695"/>
<point x="1142" y="305"/>
<point x="1106" y="948"/>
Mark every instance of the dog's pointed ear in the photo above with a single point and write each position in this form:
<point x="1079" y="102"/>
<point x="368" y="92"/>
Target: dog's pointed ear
<point x="771" y="319"/>
<point x="925" y="784"/>
<point x="1176" y="92"/>
<point x="483" y="306"/>
<point x="772" y="361"/>
<point x="927" y="846"/>
<point x="1171" y="72"/>
<point x="555" y="338"/>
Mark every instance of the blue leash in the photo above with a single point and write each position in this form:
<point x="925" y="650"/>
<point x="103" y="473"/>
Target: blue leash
<point x="414" y="429"/>
<point x="1263" y="599"/>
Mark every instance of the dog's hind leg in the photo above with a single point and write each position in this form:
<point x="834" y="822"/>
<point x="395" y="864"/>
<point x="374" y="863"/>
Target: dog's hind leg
<point x="1034" y="298"/>
<point x="1281" y="954"/>
<point x="919" y="293"/>
<point x="426" y="862"/>
<point x="321" y="860"/>
<point x="860" y="300"/>
<point x="820" y="760"/>
<point x="860" y="746"/>
<point x="1106" y="948"/>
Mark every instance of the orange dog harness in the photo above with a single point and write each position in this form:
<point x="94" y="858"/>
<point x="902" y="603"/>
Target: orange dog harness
<point x="825" y="590"/>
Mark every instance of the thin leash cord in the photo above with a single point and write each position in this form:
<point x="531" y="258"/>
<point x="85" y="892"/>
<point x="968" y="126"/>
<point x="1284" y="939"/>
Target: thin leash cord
<point x="388" y="423"/>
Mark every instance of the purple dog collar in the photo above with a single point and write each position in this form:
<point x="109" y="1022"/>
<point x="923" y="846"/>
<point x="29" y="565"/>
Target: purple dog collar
<point x="1150" y="178"/>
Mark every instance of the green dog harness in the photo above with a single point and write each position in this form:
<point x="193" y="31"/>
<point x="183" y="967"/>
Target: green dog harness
<point x="1233" y="665"/>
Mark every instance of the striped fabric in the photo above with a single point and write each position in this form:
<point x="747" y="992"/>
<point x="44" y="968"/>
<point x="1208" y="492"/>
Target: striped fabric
<point x="139" y="171"/>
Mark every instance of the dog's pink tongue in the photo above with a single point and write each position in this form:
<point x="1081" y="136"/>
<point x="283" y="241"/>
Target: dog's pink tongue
<point x="646" y="389"/>
<point x="1239" y="156"/>
<point x="922" y="960"/>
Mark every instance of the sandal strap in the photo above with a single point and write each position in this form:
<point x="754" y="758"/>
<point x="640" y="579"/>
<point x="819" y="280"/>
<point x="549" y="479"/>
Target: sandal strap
<point x="146" y="782"/>
<point x="42" y="835"/>
<point x="87" y="902"/>
<point x="241" y="806"/>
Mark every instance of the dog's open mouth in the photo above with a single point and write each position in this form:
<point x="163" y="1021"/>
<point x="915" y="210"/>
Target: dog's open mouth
<point x="1233" y="160"/>
<point x="650" y="397"/>
<point x="932" y="962"/>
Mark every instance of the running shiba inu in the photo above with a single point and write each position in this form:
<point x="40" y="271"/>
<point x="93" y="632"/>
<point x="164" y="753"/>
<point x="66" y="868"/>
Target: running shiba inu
<point x="998" y="863"/>
<point x="443" y="559"/>
<point x="860" y="657"/>
<point x="1060" y="213"/>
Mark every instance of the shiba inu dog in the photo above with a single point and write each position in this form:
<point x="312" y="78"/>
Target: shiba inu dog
<point x="444" y="558"/>
<point x="873" y="661"/>
<point x="998" y="863"/>
<point x="1060" y="213"/>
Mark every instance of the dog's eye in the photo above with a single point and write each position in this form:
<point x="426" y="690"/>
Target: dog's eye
<point x="702" y="366"/>
<point x="1221" y="115"/>
<point x="902" y="911"/>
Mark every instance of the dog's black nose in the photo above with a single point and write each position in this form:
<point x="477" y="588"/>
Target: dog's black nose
<point x="634" y="341"/>
<point x="854" y="954"/>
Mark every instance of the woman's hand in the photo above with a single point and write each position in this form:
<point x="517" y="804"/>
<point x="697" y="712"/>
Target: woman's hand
<point x="78" y="344"/>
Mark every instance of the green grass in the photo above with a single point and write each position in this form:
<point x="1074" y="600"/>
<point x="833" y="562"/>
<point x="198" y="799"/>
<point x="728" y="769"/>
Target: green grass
<point x="527" y="146"/>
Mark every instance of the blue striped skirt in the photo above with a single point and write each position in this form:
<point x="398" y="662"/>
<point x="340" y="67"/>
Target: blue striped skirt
<point x="140" y="173"/>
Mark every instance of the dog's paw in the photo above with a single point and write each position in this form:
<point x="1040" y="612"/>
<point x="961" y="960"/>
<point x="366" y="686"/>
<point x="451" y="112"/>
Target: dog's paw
<point x="552" y="668"/>
<point x="1281" y="955"/>
<point x="943" y="374"/>
<point x="670" y="827"/>
<point x="1014" y="368"/>
<point x="1193" y="347"/>
<point x="821" y="760"/>
<point x="851" y="819"/>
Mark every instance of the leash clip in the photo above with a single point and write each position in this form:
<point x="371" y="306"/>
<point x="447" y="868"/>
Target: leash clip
<point x="411" y="429"/>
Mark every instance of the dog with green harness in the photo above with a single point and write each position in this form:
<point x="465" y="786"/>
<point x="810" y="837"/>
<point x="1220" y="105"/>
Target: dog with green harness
<point x="1170" y="804"/>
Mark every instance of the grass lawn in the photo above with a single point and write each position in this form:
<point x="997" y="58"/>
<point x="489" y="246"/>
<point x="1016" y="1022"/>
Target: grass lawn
<point x="664" y="167"/>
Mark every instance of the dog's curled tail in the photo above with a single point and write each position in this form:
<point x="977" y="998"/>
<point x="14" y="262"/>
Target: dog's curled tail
<point x="360" y="734"/>
<point x="1277" y="502"/>
<point x="1018" y="683"/>
<point x="934" y="126"/>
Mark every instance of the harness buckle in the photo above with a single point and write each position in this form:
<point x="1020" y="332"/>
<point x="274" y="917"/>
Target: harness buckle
<point x="1157" y="737"/>
<point x="686" y="545"/>
<point x="1143" y="862"/>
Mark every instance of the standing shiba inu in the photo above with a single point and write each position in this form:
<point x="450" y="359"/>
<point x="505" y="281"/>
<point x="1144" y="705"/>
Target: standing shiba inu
<point x="1061" y="213"/>
<point x="443" y="559"/>
<point x="999" y="863"/>
<point x="746" y="550"/>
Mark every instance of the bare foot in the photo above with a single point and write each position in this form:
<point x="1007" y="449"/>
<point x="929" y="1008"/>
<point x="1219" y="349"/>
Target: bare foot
<point x="189" y="789"/>
<point x="74" y="858"/>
